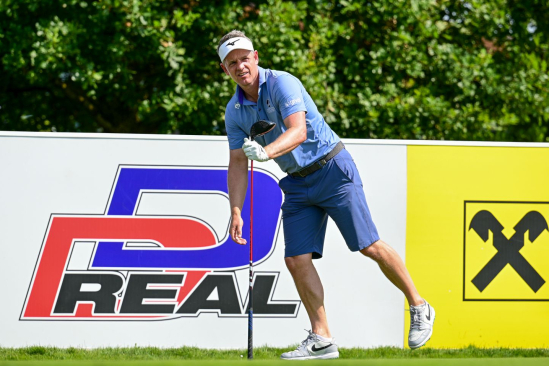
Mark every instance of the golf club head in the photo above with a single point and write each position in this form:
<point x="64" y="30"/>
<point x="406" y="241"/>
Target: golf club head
<point x="260" y="128"/>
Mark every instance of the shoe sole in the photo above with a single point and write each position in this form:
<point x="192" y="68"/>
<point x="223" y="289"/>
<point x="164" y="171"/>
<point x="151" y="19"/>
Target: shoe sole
<point x="326" y="356"/>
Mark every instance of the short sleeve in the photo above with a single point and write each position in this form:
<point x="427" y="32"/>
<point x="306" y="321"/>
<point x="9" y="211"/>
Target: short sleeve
<point x="235" y="134"/>
<point x="288" y="95"/>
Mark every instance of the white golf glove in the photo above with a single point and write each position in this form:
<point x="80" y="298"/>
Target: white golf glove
<point x="254" y="151"/>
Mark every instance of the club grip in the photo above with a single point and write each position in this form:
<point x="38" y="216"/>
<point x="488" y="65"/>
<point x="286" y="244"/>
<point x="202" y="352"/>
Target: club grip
<point x="250" y="334"/>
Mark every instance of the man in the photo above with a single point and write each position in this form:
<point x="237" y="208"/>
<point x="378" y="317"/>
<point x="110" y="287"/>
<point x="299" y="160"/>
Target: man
<point x="322" y="181"/>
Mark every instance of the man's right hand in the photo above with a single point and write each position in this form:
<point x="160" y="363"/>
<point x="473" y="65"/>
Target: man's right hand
<point x="236" y="229"/>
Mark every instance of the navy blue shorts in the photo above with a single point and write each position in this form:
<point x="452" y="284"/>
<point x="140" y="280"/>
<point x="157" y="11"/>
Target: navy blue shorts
<point x="335" y="190"/>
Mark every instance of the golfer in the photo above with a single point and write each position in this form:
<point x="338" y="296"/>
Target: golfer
<point x="322" y="181"/>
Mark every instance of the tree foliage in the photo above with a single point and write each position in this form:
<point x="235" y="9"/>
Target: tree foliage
<point x="414" y="69"/>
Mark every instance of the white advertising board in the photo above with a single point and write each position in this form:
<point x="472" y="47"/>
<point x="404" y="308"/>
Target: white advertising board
<point x="122" y="240"/>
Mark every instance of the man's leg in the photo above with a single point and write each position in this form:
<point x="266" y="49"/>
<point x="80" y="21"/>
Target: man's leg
<point x="319" y="344"/>
<point x="343" y="198"/>
<point x="304" y="230"/>
<point x="394" y="269"/>
<point x="310" y="291"/>
<point x="422" y="315"/>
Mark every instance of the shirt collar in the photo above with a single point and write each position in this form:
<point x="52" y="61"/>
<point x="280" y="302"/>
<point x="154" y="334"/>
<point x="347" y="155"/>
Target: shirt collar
<point x="240" y="92"/>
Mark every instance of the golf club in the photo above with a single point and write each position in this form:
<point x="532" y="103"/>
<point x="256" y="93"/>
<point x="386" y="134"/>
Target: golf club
<point x="259" y="128"/>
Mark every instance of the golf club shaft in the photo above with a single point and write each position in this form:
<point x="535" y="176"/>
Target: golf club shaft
<point x="259" y="128"/>
<point x="250" y="294"/>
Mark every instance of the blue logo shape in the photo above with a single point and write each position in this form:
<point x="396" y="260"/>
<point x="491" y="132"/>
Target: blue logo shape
<point x="227" y="255"/>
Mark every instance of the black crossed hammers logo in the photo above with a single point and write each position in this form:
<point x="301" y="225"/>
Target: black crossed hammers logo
<point x="508" y="249"/>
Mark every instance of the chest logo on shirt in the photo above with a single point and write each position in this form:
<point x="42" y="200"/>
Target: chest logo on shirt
<point x="237" y="105"/>
<point x="270" y="108"/>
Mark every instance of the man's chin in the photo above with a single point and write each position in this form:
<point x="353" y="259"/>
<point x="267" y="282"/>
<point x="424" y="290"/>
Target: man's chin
<point x="244" y="83"/>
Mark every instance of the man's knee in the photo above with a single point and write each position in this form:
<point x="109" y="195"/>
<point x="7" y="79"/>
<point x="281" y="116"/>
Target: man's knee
<point x="375" y="250"/>
<point x="297" y="262"/>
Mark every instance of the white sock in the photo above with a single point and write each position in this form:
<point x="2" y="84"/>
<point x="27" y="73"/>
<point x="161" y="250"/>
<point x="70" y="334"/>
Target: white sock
<point x="419" y="306"/>
<point x="324" y="339"/>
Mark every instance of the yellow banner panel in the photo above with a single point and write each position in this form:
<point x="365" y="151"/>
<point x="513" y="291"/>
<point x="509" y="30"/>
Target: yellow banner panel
<point x="477" y="243"/>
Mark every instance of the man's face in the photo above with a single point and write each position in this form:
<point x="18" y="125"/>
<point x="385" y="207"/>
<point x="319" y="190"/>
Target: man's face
<point x="241" y="66"/>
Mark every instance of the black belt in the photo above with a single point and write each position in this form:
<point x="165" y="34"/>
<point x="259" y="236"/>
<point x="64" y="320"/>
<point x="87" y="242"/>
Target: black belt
<point x="319" y="164"/>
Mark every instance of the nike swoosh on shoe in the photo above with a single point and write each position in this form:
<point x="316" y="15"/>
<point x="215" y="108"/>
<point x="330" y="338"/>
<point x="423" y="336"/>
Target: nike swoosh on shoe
<point x="314" y="349"/>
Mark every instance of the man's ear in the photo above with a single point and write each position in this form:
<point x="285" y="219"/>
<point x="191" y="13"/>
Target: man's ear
<point x="256" y="57"/>
<point x="224" y="69"/>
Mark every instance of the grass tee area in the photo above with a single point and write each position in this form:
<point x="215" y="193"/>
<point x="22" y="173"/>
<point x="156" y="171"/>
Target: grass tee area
<point x="266" y="356"/>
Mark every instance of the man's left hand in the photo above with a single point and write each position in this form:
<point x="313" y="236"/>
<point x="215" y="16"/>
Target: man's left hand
<point x="254" y="151"/>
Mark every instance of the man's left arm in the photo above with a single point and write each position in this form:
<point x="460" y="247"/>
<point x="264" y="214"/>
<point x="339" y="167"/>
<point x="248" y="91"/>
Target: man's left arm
<point x="288" y="97"/>
<point x="295" y="134"/>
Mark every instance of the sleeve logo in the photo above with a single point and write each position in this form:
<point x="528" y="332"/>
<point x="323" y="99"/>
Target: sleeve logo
<point x="292" y="102"/>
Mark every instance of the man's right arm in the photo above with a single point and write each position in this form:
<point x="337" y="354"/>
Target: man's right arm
<point x="237" y="182"/>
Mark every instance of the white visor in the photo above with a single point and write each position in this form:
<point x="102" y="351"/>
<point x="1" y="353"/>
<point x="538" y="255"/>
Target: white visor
<point x="238" y="43"/>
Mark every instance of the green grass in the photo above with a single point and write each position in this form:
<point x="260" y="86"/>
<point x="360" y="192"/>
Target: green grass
<point x="383" y="354"/>
<point x="340" y="362"/>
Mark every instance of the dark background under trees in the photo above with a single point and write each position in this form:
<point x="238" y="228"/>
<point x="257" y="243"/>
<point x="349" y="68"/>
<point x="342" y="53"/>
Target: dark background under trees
<point x="402" y="69"/>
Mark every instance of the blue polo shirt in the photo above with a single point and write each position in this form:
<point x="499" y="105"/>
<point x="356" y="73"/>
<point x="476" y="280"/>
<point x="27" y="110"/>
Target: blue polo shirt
<point x="280" y="95"/>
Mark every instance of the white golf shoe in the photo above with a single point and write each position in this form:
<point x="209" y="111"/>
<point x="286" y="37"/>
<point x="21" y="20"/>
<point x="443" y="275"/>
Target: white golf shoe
<point x="422" y="318"/>
<point x="312" y="348"/>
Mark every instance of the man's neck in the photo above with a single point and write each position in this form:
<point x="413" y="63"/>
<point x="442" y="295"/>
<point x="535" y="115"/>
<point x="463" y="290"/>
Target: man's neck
<point x="251" y="92"/>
